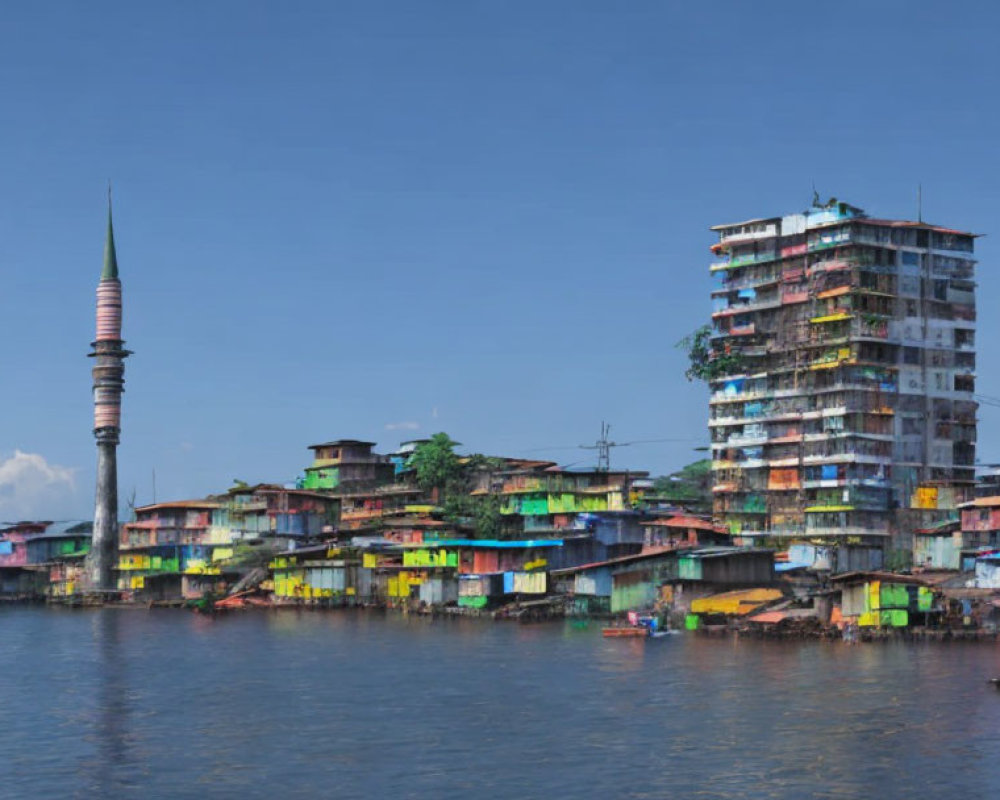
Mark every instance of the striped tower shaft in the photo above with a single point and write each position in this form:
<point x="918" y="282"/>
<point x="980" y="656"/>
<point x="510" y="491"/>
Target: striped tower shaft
<point x="109" y="380"/>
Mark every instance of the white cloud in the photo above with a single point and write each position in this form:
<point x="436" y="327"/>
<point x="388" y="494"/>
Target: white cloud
<point x="32" y="488"/>
<point x="402" y="426"/>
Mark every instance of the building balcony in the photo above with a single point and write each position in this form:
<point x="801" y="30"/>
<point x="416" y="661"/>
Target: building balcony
<point x="737" y="397"/>
<point x="760" y="305"/>
<point x="740" y="441"/>
<point x="730" y="284"/>
<point x="846" y="458"/>
<point x="838" y="532"/>
<point x="844" y="483"/>
<point x="750" y="463"/>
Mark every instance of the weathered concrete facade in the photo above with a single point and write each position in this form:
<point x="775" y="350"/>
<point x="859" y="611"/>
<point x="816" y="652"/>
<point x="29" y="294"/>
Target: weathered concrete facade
<point x="109" y="380"/>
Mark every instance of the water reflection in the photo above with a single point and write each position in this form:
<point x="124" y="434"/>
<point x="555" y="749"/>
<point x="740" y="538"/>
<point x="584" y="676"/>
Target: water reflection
<point x="111" y="722"/>
<point x="169" y="704"/>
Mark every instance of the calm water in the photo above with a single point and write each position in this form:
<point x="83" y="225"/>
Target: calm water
<point x="128" y="703"/>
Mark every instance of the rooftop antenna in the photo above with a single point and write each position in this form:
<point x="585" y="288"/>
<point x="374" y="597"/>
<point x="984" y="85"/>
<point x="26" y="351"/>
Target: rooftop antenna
<point x="920" y="203"/>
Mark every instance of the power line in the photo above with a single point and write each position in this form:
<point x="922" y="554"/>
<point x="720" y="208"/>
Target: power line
<point x="618" y="444"/>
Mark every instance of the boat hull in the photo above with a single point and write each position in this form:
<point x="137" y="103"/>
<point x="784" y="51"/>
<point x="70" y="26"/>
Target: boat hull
<point x="624" y="632"/>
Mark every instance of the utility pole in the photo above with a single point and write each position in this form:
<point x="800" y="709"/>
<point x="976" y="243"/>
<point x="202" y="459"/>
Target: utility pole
<point x="603" y="447"/>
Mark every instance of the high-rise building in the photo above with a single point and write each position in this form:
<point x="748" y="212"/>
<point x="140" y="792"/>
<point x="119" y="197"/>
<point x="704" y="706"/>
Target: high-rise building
<point x="841" y="363"/>
<point x="109" y="380"/>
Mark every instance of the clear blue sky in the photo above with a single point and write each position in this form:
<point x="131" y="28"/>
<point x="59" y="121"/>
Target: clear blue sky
<point x="488" y="218"/>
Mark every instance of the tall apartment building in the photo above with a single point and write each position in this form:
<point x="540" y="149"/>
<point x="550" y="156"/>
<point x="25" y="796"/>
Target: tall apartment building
<point x="842" y="361"/>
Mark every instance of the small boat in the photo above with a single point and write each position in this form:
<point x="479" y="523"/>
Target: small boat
<point x="242" y="600"/>
<point x="629" y="631"/>
<point x="639" y="625"/>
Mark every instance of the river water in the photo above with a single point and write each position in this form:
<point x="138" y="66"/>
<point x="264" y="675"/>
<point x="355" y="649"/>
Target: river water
<point x="169" y="704"/>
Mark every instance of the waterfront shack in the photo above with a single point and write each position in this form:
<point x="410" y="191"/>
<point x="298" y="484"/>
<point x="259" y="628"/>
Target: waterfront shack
<point x="836" y="557"/>
<point x="61" y="550"/>
<point x="30" y="551"/>
<point x="475" y="573"/>
<point x="980" y="520"/>
<point x="438" y="567"/>
<point x="275" y="514"/>
<point x="480" y="591"/>
<point x="939" y="546"/>
<point x="988" y="571"/>
<point x="636" y="579"/>
<point x="167" y="554"/>
<point x="683" y="530"/>
<point x="501" y="570"/>
<point x="587" y="587"/>
<point x="540" y="498"/>
<point x="365" y="510"/>
<point x="16" y="579"/>
<point x="319" y="575"/>
<point x="713" y="570"/>
<point x="884" y="599"/>
<point x="415" y="523"/>
<point x="344" y="465"/>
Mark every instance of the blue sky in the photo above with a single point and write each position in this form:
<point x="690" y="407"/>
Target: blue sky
<point x="488" y="218"/>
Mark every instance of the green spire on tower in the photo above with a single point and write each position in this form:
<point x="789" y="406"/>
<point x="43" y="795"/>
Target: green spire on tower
<point x="110" y="271"/>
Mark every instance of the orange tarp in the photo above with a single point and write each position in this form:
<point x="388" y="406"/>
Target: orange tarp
<point x="783" y="479"/>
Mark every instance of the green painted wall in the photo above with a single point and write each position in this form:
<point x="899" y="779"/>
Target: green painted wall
<point x="633" y="597"/>
<point x="322" y="478"/>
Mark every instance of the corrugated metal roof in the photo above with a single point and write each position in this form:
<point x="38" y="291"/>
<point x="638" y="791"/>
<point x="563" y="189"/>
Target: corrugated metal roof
<point x="343" y="443"/>
<point x="744" y="222"/>
<point x="182" y="504"/>
<point x="65" y="528"/>
<point x="982" y="502"/>
<point x="682" y="521"/>
<point x="889" y="577"/>
<point x="902" y="223"/>
<point x="719" y="552"/>
<point x="651" y="552"/>
<point x="496" y="543"/>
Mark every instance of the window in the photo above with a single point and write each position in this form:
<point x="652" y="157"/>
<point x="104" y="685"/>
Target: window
<point x="965" y="383"/>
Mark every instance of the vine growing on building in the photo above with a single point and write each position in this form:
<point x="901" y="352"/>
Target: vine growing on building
<point x="704" y="362"/>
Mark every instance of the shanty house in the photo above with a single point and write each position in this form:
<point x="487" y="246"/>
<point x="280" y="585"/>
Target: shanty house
<point x="939" y="547"/>
<point x="883" y="599"/>
<point x="683" y="530"/>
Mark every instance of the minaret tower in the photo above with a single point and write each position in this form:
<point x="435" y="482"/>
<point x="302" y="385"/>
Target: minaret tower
<point x="109" y="381"/>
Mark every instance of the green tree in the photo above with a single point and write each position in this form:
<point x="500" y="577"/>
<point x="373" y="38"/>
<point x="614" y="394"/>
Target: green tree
<point x="452" y="478"/>
<point x="480" y="512"/>
<point x="690" y="486"/>
<point x="436" y="464"/>
<point x="704" y="362"/>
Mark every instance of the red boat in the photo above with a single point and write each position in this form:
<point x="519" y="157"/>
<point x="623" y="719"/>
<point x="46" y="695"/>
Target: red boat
<point x="625" y="631"/>
<point x="242" y="600"/>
